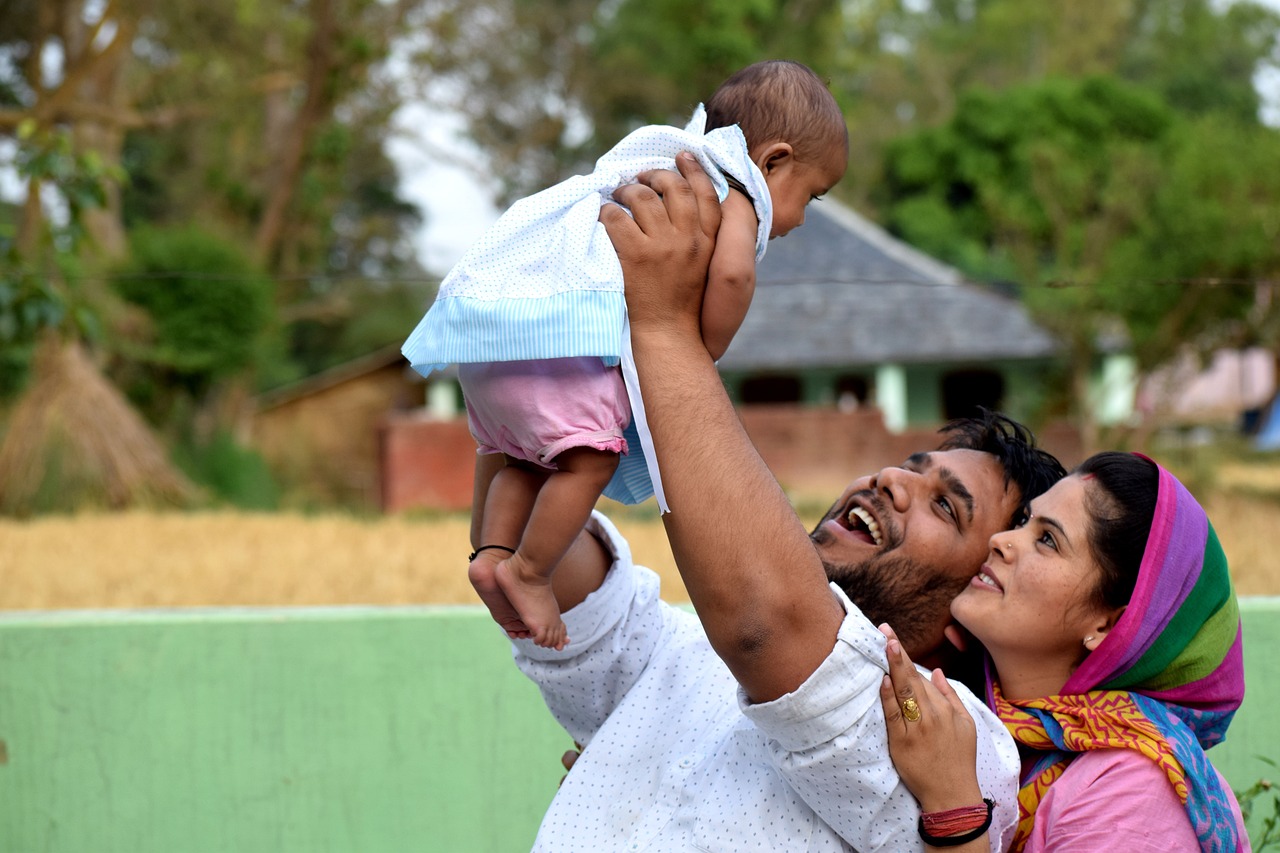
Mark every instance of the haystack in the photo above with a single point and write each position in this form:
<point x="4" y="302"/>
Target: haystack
<point x="73" y="442"/>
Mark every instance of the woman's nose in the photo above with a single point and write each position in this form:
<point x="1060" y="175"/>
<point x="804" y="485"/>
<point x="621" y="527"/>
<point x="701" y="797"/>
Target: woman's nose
<point x="1002" y="544"/>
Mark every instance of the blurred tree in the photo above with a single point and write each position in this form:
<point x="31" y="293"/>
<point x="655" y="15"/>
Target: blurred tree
<point x="906" y="62"/>
<point x="514" y="71"/>
<point x="543" y="88"/>
<point x="261" y="120"/>
<point x="71" y="439"/>
<point x="206" y="308"/>
<point x="653" y="61"/>
<point x="1111" y="211"/>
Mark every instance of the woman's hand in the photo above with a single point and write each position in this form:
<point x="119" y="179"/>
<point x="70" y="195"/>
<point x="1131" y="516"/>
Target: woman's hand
<point x="567" y="760"/>
<point x="932" y="738"/>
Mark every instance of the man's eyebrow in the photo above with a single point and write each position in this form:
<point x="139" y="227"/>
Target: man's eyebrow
<point x="957" y="488"/>
<point x="918" y="462"/>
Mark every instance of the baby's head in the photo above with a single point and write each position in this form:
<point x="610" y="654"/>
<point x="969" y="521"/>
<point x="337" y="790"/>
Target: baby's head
<point x="795" y="132"/>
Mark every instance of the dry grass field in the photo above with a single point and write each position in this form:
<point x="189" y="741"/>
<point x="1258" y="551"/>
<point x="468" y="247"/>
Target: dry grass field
<point x="143" y="560"/>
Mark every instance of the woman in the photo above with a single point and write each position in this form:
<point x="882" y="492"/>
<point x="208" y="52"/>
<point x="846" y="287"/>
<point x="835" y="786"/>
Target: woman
<point x="1114" y="650"/>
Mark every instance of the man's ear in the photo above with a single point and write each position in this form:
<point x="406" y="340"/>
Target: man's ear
<point x="957" y="636"/>
<point x="773" y="156"/>
<point x="1101" y="627"/>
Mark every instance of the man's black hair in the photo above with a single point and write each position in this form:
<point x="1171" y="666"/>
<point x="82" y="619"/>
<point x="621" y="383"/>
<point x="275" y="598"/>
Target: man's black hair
<point x="1014" y="446"/>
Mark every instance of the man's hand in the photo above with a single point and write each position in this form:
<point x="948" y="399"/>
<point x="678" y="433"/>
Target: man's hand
<point x="666" y="248"/>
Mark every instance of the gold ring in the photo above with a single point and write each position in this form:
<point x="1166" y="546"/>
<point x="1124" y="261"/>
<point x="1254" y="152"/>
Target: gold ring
<point x="910" y="710"/>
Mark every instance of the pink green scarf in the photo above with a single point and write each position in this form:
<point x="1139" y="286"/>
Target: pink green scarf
<point x="1164" y="682"/>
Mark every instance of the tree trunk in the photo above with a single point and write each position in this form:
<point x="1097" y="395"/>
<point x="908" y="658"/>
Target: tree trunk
<point x="321" y="61"/>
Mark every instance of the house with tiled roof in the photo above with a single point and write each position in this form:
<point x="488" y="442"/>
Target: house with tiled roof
<point x="845" y="314"/>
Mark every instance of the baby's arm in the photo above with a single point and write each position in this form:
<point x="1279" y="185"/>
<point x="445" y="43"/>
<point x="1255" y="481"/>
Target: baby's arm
<point x="731" y="280"/>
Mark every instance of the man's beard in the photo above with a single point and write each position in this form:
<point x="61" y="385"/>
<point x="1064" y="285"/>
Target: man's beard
<point x="915" y="599"/>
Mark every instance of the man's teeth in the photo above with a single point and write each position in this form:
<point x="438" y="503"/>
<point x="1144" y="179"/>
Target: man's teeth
<point x="865" y="517"/>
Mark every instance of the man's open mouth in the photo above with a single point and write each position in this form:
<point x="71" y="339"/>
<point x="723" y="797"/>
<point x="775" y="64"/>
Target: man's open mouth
<point x="859" y="520"/>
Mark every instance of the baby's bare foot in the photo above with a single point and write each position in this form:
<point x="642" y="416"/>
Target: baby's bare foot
<point x="530" y="593"/>
<point x="483" y="580"/>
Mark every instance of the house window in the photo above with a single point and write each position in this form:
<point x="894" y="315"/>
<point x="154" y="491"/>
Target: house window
<point x="771" y="389"/>
<point x="963" y="391"/>
<point x="851" y="392"/>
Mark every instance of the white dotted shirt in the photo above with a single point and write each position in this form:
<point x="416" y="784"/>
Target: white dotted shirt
<point x="677" y="758"/>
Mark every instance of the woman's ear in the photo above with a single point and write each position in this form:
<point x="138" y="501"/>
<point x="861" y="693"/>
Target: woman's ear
<point x="1105" y="622"/>
<point x="773" y="156"/>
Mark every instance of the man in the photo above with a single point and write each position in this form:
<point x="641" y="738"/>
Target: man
<point x="756" y="725"/>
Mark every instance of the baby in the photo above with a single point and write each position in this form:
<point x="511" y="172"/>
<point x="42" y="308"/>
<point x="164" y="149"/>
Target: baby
<point x="535" y="318"/>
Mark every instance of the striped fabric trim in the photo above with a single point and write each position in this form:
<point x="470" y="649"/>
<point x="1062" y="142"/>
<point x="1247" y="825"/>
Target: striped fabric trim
<point x="465" y="330"/>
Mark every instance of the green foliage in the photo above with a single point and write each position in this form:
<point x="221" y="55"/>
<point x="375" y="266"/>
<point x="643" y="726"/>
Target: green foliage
<point x="207" y="309"/>
<point x="1101" y="201"/>
<point x="39" y="258"/>
<point x="655" y="60"/>
<point x="1262" y="793"/>
<point x="229" y="472"/>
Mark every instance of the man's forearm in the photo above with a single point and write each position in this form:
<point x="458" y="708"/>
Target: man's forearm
<point x="751" y="572"/>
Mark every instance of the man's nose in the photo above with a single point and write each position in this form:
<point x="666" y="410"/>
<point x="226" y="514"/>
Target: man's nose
<point x="898" y="484"/>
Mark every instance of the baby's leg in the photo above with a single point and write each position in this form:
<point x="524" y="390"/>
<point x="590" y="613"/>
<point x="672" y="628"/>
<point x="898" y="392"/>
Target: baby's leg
<point x="563" y="505"/>
<point x="508" y="497"/>
<point x="487" y="467"/>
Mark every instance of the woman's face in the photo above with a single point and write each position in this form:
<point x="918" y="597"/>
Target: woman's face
<point x="1032" y="596"/>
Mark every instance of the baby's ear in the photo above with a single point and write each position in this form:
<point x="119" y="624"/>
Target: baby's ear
<point x="774" y="155"/>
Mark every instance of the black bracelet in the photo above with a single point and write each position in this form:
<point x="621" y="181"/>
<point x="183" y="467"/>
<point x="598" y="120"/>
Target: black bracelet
<point x="956" y="840"/>
<point x="473" y="554"/>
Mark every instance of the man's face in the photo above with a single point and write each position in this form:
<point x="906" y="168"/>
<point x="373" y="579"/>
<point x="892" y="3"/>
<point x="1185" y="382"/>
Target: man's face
<point x="903" y="542"/>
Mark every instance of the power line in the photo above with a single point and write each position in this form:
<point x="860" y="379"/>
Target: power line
<point x="327" y="278"/>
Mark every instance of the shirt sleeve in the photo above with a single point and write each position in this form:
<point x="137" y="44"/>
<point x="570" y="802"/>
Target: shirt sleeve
<point x="612" y="636"/>
<point x="1112" y="799"/>
<point x="828" y="739"/>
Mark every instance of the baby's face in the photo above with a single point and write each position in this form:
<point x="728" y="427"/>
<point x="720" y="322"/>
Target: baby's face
<point x="794" y="183"/>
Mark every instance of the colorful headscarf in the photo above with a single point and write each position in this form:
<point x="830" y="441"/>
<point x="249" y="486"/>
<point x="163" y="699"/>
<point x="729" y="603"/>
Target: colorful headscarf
<point x="1165" y="681"/>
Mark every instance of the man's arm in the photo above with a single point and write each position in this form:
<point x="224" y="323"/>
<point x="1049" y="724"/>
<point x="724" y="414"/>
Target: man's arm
<point x="750" y="570"/>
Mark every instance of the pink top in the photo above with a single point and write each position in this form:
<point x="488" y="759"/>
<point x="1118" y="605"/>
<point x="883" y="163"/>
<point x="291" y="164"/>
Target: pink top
<point x="1115" y="799"/>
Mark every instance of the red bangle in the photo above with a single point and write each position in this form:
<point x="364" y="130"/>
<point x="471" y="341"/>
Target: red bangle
<point x="954" y="827"/>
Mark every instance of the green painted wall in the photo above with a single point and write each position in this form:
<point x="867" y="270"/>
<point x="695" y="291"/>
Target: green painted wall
<point x="352" y="729"/>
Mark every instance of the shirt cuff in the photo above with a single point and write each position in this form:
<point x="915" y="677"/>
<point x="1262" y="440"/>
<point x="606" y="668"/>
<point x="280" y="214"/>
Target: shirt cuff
<point x="835" y="696"/>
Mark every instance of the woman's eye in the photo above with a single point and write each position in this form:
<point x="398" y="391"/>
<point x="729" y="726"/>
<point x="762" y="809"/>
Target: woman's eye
<point x="1048" y="541"/>
<point x="1023" y="517"/>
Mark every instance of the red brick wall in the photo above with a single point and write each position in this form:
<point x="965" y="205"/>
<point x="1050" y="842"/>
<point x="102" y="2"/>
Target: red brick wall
<point x="815" y="451"/>
<point x="425" y="463"/>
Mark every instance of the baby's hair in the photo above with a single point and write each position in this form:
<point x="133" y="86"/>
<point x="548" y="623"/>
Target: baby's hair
<point x="780" y="101"/>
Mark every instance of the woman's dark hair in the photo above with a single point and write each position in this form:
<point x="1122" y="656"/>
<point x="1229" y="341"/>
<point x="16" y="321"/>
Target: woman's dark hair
<point x="1121" y="502"/>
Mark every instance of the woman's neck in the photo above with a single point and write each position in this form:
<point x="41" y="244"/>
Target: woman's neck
<point x="1023" y="678"/>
